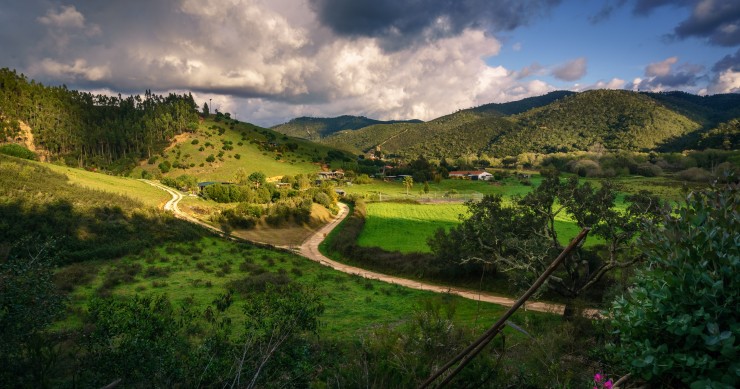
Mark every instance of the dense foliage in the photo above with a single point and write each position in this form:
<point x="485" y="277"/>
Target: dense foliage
<point x="93" y="130"/>
<point x="520" y="238"/>
<point x="679" y="323"/>
<point x="557" y="122"/>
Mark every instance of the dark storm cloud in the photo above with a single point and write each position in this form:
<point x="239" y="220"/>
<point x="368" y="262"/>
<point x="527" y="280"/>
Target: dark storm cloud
<point x="402" y="23"/>
<point x="717" y="21"/>
<point x="729" y="62"/>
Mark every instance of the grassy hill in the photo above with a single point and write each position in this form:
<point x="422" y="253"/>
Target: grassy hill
<point x="316" y="128"/>
<point x="217" y="149"/>
<point x="559" y="121"/>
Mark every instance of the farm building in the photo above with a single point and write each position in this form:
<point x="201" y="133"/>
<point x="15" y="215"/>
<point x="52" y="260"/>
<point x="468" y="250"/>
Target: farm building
<point x="471" y="175"/>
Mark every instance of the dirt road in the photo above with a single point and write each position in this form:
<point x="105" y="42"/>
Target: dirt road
<point x="310" y="249"/>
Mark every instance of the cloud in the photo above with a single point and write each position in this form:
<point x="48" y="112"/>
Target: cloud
<point x="668" y="75"/>
<point x="729" y="62"/>
<point x="66" y="16"/>
<point x="77" y="70"/>
<point x="401" y="23"/>
<point x="659" y="69"/>
<point x="717" y="21"/>
<point x="727" y="81"/>
<point x="614" y="83"/>
<point x="533" y="69"/>
<point x="606" y="11"/>
<point x="571" y="70"/>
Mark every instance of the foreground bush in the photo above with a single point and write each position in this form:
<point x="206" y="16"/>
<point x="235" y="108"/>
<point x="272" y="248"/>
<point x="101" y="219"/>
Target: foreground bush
<point x="679" y="323"/>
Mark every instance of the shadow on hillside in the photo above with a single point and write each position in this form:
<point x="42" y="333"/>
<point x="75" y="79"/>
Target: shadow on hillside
<point x="97" y="233"/>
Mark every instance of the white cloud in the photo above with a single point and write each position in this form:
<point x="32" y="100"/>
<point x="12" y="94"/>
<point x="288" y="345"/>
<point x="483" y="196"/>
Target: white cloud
<point x="65" y="17"/>
<point x="77" y="70"/>
<point x="727" y="81"/>
<point x="660" y="69"/>
<point x="571" y="70"/>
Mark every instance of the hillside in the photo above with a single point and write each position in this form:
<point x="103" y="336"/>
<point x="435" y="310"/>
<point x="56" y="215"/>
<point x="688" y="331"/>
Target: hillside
<point x="613" y="118"/>
<point x="559" y="121"/>
<point x="317" y="128"/>
<point x="220" y="146"/>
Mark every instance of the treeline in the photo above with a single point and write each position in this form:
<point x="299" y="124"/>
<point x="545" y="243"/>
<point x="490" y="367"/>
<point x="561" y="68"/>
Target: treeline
<point x="80" y="128"/>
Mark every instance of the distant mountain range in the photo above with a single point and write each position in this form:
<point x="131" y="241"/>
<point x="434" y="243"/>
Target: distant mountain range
<point x="559" y="121"/>
<point x="317" y="128"/>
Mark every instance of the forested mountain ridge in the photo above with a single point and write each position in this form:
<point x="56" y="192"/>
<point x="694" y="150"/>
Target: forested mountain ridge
<point x="557" y="122"/>
<point x="92" y="130"/>
<point x="314" y="129"/>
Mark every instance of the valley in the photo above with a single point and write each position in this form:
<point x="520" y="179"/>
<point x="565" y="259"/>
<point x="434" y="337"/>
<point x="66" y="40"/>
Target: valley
<point x="353" y="240"/>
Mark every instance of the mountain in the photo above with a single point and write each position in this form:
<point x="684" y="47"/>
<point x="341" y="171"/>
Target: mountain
<point x="559" y="121"/>
<point x="317" y="128"/>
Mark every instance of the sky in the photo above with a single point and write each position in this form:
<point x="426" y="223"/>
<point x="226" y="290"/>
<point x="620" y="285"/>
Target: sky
<point x="267" y="61"/>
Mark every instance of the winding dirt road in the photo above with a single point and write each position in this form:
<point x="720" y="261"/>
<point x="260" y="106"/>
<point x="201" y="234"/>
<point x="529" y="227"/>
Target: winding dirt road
<point x="310" y="249"/>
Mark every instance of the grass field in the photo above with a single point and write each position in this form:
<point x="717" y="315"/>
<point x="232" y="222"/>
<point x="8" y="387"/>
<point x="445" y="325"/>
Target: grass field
<point x="135" y="189"/>
<point x="406" y="227"/>
<point x="195" y="273"/>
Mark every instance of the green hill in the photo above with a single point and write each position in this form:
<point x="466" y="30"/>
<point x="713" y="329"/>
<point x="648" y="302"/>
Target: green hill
<point x="615" y="119"/>
<point x="317" y="128"/>
<point x="556" y="122"/>
<point x="220" y="146"/>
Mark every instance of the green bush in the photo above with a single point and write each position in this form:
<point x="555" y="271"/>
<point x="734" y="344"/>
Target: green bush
<point x="679" y="325"/>
<point x="695" y="174"/>
<point x="165" y="166"/>
<point x="19" y="151"/>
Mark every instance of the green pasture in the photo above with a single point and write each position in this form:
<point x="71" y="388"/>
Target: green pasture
<point x="196" y="273"/>
<point x="129" y="187"/>
<point x="406" y="227"/>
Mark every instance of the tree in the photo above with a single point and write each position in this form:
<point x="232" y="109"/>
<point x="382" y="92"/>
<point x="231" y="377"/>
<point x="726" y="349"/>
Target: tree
<point x="29" y="303"/>
<point x="257" y="179"/>
<point x="408" y="182"/>
<point x="206" y="111"/>
<point x="678" y="325"/>
<point x="273" y="320"/>
<point x="521" y="240"/>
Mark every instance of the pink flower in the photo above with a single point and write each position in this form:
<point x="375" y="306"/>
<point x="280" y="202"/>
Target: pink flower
<point x="598" y="377"/>
<point x="608" y="384"/>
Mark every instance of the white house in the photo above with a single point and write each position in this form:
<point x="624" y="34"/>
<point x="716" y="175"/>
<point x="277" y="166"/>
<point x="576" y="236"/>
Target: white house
<point x="471" y="175"/>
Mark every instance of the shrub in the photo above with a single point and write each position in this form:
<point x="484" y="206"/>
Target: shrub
<point x="194" y="142"/>
<point x="649" y="170"/>
<point x="695" y="174"/>
<point x="19" y="151"/>
<point x="210" y="158"/>
<point x="678" y="326"/>
<point x="165" y="166"/>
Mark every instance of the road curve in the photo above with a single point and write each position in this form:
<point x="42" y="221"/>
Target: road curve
<point x="310" y="249"/>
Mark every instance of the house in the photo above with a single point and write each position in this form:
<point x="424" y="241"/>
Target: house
<point x="471" y="175"/>
<point x="283" y="185"/>
<point x="336" y="174"/>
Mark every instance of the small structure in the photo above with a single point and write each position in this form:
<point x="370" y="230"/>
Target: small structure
<point x="335" y="174"/>
<point x="283" y="185"/>
<point x="340" y="192"/>
<point x="474" y="175"/>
